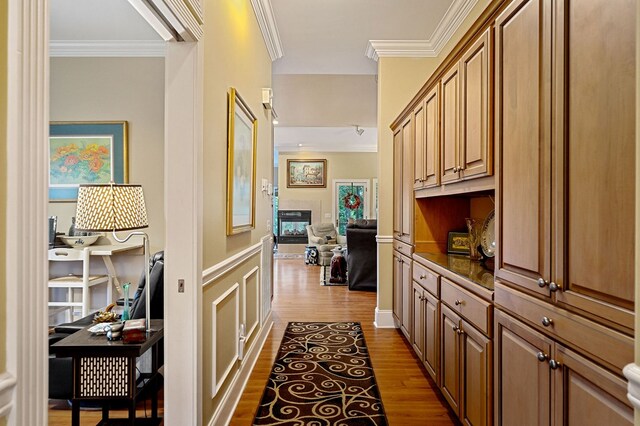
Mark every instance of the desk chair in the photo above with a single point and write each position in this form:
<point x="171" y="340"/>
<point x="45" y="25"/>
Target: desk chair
<point x="76" y="282"/>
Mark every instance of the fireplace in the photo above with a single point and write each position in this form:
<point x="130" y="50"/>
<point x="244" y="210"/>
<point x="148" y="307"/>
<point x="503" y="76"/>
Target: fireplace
<point x="292" y="226"/>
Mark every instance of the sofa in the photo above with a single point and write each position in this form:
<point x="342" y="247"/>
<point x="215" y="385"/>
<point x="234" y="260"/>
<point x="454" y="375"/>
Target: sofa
<point x="362" y="262"/>
<point x="325" y="238"/>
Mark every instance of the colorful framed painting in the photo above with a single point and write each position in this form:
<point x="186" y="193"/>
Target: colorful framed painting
<point x="84" y="153"/>
<point x="458" y="243"/>
<point x="242" y="139"/>
<point x="306" y="173"/>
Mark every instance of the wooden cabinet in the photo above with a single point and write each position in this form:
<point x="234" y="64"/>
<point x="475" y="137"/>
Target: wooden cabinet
<point x="465" y="145"/>
<point x="402" y="293"/>
<point x="536" y="376"/>
<point x="465" y="368"/>
<point x="403" y="181"/>
<point x="426" y="119"/>
<point x="566" y="183"/>
<point x="397" y="183"/>
<point x="426" y="335"/>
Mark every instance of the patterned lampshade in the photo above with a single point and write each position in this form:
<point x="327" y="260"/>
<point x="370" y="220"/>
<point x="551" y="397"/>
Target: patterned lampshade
<point x="110" y="207"/>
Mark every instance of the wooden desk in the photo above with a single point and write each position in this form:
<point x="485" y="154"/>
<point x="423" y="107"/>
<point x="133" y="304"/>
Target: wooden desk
<point x="106" y="371"/>
<point x="106" y="251"/>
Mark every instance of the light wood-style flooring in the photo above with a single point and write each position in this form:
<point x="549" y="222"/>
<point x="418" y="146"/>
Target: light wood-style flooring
<point x="409" y="397"/>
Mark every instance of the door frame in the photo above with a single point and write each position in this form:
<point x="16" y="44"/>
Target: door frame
<point x="367" y="197"/>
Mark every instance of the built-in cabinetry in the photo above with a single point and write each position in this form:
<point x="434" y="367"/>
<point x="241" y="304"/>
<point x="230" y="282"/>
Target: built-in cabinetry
<point x="403" y="181"/>
<point x="552" y="84"/>
<point x="402" y="291"/>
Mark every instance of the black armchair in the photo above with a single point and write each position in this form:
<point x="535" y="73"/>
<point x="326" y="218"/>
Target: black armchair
<point x="60" y="369"/>
<point x="362" y="261"/>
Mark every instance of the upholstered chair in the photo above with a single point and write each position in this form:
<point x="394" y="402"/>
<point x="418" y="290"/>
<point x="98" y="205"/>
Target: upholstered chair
<point x="325" y="238"/>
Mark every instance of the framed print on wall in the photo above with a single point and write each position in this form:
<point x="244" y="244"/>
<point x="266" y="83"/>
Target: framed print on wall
<point x="86" y="152"/>
<point x="242" y="139"/>
<point x="306" y="173"/>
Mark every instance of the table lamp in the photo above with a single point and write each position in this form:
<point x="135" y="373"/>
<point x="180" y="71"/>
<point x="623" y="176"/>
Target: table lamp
<point x="116" y="207"/>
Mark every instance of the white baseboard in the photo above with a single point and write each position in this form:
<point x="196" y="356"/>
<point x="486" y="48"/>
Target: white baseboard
<point x="632" y="373"/>
<point x="384" y="319"/>
<point x="230" y="400"/>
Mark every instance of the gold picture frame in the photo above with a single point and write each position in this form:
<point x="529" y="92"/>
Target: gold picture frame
<point x="307" y="173"/>
<point x="242" y="139"/>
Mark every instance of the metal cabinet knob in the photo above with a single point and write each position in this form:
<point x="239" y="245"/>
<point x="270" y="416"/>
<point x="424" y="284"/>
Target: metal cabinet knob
<point x="554" y="364"/>
<point x="542" y="283"/>
<point x="456" y="328"/>
<point x="553" y="286"/>
<point x="546" y="321"/>
<point x="422" y="277"/>
<point x="542" y="357"/>
<point x="455" y="170"/>
<point x="458" y="302"/>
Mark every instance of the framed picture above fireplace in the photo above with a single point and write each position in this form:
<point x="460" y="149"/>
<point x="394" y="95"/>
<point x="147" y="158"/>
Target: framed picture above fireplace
<point x="306" y="173"/>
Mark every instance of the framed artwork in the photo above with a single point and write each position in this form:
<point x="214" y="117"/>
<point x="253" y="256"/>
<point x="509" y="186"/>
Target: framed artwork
<point x="86" y="152"/>
<point x="458" y="243"/>
<point x="242" y="139"/>
<point x="306" y="173"/>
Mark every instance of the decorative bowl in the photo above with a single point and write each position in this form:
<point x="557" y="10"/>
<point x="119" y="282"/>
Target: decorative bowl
<point x="79" y="241"/>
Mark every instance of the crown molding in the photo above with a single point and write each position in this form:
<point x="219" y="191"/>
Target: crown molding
<point x="106" y="48"/>
<point x="451" y="21"/>
<point x="268" y="27"/>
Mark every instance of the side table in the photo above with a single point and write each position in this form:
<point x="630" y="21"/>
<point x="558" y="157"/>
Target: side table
<point x="105" y="371"/>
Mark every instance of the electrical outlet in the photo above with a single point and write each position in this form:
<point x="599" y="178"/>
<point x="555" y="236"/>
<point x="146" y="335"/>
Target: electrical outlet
<point x="180" y="286"/>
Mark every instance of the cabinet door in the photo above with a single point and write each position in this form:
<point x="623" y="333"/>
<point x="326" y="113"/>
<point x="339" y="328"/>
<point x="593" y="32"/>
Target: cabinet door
<point x="522" y="381"/>
<point x="475" y="145"/>
<point x="475" y="371"/>
<point x="406" y="297"/>
<point x="432" y="138"/>
<point x="449" y="155"/>
<point x="450" y="357"/>
<point x="407" y="181"/>
<point x="596" y="120"/>
<point x="397" y="183"/>
<point x="523" y="196"/>
<point x="397" y="287"/>
<point x="417" y="340"/>
<point x="431" y="336"/>
<point x="579" y="383"/>
<point x="419" y="145"/>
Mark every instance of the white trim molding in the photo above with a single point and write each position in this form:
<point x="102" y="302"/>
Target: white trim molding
<point x="25" y="308"/>
<point x="107" y="48"/>
<point x="632" y="373"/>
<point x="230" y="399"/>
<point x="250" y="328"/>
<point x="215" y="384"/>
<point x="384" y="239"/>
<point x="268" y="27"/>
<point x="7" y="384"/>
<point x="384" y="319"/>
<point x="212" y="274"/>
<point x="451" y="21"/>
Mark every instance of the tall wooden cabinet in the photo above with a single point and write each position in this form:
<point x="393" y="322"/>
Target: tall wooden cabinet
<point x="403" y="181"/>
<point x="426" y="119"/>
<point x="402" y="293"/>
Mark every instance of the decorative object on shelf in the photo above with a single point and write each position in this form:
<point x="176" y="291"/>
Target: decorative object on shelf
<point x="458" y="243"/>
<point x="114" y="331"/>
<point x="125" y="312"/>
<point x="115" y="208"/>
<point x="311" y="255"/>
<point x="72" y="228"/>
<point x="474" y="227"/>
<point x="338" y="266"/>
<point x="105" y="316"/>
<point x="242" y="139"/>
<point x="488" y="236"/>
<point x="306" y="173"/>
<point x="352" y="201"/>
<point x="79" y="241"/>
<point x="86" y="153"/>
<point x="53" y="224"/>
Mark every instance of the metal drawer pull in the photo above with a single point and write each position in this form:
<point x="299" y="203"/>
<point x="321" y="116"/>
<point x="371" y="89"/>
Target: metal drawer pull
<point x="554" y="364"/>
<point x="458" y="302"/>
<point x="546" y="321"/>
<point x="456" y="328"/>
<point x="422" y="277"/>
<point x="542" y="357"/>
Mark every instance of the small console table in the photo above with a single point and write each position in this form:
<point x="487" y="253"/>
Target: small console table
<point x="105" y="371"/>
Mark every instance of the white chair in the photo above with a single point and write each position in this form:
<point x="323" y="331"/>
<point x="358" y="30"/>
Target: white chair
<point x="74" y="282"/>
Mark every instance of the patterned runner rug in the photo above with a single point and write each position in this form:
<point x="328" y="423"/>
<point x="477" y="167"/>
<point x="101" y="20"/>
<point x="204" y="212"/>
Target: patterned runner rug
<point x="322" y="376"/>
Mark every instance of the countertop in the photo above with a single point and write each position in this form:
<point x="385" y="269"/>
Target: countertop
<point x="463" y="267"/>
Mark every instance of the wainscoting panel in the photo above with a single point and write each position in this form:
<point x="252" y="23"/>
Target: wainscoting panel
<point x="225" y="325"/>
<point x="251" y="301"/>
<point x="266" y="267"/>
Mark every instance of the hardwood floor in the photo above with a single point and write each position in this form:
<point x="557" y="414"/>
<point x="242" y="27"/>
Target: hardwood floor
<point x="409" y="397"/>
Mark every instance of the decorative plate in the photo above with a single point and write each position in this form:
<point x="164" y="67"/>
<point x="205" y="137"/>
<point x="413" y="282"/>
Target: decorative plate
<point x="488" y="236"/>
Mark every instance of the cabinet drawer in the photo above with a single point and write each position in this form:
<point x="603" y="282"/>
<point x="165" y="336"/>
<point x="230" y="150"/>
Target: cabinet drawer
<point x="470" y="306"/>
<point x="403" y="248"/>
<point x="611" y="347"/>
<point x="426" y="278"/>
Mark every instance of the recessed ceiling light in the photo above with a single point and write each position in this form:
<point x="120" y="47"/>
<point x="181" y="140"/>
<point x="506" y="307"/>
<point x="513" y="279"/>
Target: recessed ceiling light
<point x="299" y="144"/>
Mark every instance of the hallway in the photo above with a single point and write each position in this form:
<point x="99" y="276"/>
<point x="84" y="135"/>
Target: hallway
<point x="409" y="398"/>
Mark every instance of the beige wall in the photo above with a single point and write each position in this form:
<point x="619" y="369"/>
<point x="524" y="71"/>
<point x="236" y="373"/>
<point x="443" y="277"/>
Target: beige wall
<point x="3" y="181"/>
<point x="340" y="165"/>
<point x="235" y="56"/>
<point x="311" y="100"/>
<point x="119" y="89"/>
<point x="399" y="79"/>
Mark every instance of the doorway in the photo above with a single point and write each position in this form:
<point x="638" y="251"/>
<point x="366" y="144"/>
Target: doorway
<point x="351" y="201"/>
